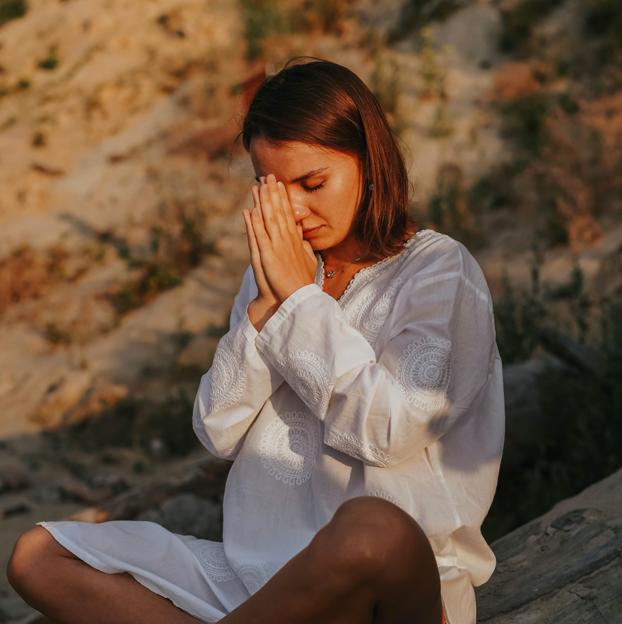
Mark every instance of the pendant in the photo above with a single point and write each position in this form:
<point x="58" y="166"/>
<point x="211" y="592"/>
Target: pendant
<point x="329" y="274"/>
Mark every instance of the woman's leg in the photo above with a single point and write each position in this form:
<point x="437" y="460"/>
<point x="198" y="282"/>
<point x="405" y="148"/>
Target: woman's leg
<point x="371" y="563"/>
<point x="54" y="581"/>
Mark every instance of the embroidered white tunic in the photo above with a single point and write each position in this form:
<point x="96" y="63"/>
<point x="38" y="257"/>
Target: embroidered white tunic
<point x="394" y="390"/>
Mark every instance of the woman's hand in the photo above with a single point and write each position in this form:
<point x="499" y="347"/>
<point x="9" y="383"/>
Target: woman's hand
<point x="286" y="261"/>
<point x="266" y="295"/>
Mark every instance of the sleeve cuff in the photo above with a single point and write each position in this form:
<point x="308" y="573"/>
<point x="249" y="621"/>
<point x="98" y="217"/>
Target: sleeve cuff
<point x="248" y="330"/>
<point x="286" y="307"/>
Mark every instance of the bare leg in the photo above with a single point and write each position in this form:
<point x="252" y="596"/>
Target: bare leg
<point x="372" y="564"/>
<point x="65" y="589"/>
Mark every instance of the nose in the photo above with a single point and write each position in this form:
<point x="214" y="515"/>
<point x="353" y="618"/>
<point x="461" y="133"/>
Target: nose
<point x="301" y="211"/>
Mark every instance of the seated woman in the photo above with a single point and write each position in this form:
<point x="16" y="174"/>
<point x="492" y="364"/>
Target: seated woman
<point x="358" y="393"/>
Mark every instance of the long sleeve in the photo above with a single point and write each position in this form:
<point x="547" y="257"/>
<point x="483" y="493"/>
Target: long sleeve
<point x="238" y="383"/>
<point x="437" y="356"/>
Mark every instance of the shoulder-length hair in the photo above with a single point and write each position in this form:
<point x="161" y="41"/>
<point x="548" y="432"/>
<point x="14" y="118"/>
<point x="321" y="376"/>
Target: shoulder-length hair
<point x="323" y="103"/>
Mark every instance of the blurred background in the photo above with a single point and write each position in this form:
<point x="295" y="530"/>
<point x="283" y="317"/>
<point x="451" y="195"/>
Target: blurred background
<point x="122" y="242"/>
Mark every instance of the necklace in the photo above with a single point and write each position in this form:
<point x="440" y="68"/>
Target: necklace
<point x="332" y="273"/>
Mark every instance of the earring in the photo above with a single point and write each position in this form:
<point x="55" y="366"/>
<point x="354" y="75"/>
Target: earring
<point x="371" y="186"/>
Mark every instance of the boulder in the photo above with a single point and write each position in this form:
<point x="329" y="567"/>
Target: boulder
<point x="564" y="566"/>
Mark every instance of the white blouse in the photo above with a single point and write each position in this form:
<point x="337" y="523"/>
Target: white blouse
<point x="394" y="390"/>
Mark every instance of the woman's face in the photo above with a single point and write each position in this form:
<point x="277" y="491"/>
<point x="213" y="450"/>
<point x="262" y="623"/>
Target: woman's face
<point x="324" y="186"/>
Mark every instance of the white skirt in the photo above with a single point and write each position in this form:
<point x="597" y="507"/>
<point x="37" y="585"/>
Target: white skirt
<point x="192" y="573"/>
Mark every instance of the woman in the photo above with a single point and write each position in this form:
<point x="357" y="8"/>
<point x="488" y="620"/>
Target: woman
<point x="358" y="392"/>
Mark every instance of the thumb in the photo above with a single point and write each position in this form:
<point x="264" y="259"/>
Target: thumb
<point x="309" y="250"/>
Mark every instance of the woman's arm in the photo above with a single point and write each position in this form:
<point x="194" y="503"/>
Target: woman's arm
<point x="238" y="383"/>
<point x="438" y="356"/>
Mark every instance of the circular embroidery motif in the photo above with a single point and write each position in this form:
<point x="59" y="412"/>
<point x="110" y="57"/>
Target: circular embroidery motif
<point x="213" y="560"/>
<point x="253" y="576"/>
<point x="370" y="315"/>
<point x="312" y="378"/>
<point x="423" y="371"/>
<point x="289" y="446"/>
<point x="227" y="379"/>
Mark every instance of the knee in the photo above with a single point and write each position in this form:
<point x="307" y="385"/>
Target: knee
<point x="367" y="534"/>
<point x="28" y="557"/>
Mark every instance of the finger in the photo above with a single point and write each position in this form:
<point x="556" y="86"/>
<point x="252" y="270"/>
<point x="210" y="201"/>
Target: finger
<point x="277" y="203"/>
<point x="259" y="229"/>
<point x="260" y="278"/>
<point x="253" y="250"/>
<point x="271" y="224"/>
<point x="257" y="206"/>
<point x="288" y="211"/>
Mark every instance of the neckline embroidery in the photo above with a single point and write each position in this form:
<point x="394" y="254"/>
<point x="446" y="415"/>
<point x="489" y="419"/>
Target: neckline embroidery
<point x="370" y="270"/>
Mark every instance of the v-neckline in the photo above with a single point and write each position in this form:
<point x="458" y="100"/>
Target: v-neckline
<point x="370" y="269"/>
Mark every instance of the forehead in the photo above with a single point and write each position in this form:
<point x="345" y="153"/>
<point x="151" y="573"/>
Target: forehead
<point x="291" y="159"/>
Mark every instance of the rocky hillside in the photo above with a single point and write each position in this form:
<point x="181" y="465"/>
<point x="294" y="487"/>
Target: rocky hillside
<point x="121" y="187"/>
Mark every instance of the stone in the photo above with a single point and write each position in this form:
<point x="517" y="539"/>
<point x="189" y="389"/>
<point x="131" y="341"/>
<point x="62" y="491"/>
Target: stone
<point x="187" y="514"/>
<point x="564" y="566"/>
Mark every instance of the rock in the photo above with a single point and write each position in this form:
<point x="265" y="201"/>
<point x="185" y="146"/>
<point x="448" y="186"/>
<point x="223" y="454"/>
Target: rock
<point x="188" y="514"/>
<point x="110" y="484"/>
<point x="14" y="610"/>
<point x="564" y="566"/>
<point x="16" y="510"/>
<point x="13" y="477"/>
<point x="46" y="493"/>
<point x="525" y="422"/>
<point x="204" y="478"/>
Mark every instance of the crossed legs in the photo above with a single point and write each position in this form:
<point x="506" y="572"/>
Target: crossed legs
<point x="371" y="564"/>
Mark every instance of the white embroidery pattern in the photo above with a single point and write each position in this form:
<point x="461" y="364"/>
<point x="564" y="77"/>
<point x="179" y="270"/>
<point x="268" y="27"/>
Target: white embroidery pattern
<point x="289" y="446"/>
<point x="254" y="576"/>
<point x="369" y="317"/>
<point x="213" y="560"/>
<point x="366" y="274"/>
<point x="227" y="379"/>
<point x="310" y="378"/>
<point x="350" y="444"/>
<point x="423" y="372"/>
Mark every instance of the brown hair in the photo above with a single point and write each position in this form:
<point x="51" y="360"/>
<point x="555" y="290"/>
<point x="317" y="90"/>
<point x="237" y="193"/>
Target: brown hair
<point x="323" y="103"/>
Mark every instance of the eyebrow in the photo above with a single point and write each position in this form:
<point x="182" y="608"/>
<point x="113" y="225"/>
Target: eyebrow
<point x="303" y="176"/>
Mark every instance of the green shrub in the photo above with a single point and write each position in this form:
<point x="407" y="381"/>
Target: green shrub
<point x="176" y="245"/>
<point x="56" y="335"/>
<point x="518" y="317"/>
<point x="586" y="447"/>
<point x="155" y="277"/>
<point x="416" y="14"/>
<point x="448" y="209"/>
<point x="493" y="191"/>
<point x="261" y="17"/>
<point x="134" y="423"/>
<point x="603" y="19"/>
<point x="518" y="23"/>
<point x="12" y="9"/>
<point x="49" y="63"/>
<point x="523" y="120"/>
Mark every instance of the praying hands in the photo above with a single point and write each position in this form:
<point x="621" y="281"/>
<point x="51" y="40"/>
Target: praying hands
<point x="282" y="260"/>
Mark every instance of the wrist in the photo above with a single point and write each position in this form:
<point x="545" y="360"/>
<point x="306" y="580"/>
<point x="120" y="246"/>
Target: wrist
<point x="260" y="310"/>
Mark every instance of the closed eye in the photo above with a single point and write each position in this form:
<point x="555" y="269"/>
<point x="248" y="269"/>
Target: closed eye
<point x="311" y="189"/>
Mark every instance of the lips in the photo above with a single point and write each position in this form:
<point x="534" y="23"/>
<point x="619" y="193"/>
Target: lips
<point x="311" y="229"/>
